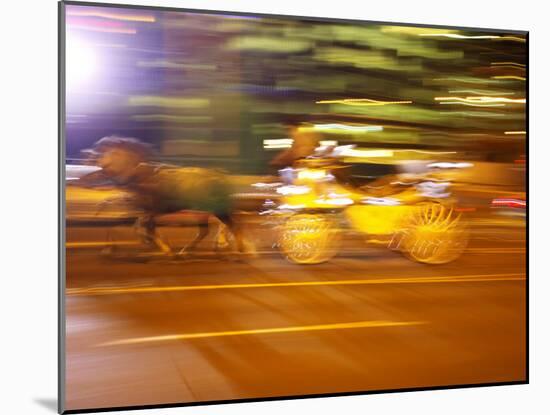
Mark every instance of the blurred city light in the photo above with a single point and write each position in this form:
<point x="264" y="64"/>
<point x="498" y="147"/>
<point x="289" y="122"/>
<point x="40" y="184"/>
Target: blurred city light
<point x="82" y="63"/>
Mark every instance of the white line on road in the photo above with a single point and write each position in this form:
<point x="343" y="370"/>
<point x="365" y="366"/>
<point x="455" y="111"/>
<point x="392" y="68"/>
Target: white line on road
<point x="292" y="329"/>
<point x="99" y="244"/>
<point x="395" y="280"/>
<point x="106" y="244"/>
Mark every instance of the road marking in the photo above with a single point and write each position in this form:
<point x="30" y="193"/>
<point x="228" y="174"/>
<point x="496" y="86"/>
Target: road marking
<point x="105" y="244"/>
<point x="496" y="250"/>
<point x="395" y="280"/>
<point x="73" y="245"/>
<point x="487" y="252"/>
<point x="292" y="329"/>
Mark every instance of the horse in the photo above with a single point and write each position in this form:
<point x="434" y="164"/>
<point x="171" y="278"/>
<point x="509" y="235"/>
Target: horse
<point x="160" y="189"/>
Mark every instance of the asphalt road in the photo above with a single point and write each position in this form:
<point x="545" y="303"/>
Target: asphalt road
<point x="205" y="328"/>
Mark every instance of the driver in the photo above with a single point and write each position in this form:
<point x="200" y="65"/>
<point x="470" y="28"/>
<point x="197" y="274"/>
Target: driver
<point x="304" y="144"/>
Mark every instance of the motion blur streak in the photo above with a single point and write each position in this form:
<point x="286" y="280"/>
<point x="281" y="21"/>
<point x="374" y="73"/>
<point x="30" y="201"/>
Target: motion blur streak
<point x="174" y="102"/>
<point x="521" y="65"/>
<point x="482" y="99"/>
<point x="97" y="28"/>
<point x="520" y="78"/>
<point x="338" y="326"/>
<point x="115" y="16"/>
<point x="393" y="280"/>
<point x="455" y="36"/>
<point x="344" y="127"/>
<point x="470" y="104"/>
<point x="362" y="101"/>
<point x="481" y="92"/>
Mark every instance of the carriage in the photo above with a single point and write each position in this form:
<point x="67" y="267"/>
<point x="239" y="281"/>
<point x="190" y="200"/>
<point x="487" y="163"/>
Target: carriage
<point x="321" y="202"/>
<point x="316" y="202"/>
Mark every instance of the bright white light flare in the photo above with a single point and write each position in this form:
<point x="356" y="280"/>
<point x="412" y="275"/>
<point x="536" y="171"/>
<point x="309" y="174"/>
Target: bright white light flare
<point x="81" y="62"/>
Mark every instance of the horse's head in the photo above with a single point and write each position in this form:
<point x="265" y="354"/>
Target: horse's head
<point x="119" y="157"/>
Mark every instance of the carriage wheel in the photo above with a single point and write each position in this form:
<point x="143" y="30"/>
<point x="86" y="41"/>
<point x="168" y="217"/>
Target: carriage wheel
<point x="434" y="234"/>
<point x="309" y="238"/>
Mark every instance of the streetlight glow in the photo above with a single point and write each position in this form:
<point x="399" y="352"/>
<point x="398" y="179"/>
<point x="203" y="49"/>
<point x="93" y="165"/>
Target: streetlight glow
<point x="81" y="62"/>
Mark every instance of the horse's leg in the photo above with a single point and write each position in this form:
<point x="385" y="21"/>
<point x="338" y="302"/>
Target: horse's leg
<point x="147" y="230"/>
<point x="243" y="245"/>
<point x="204" y="228"/>
<point x="221" y="239"/>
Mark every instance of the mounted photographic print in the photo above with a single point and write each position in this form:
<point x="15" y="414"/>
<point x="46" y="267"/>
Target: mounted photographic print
<point x="258" y="207"/>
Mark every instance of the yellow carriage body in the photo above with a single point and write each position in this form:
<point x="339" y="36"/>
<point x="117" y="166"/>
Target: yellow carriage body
<point x="378" y="220"/>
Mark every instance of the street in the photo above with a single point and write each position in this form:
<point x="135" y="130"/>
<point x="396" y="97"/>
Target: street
<point x="208" y="328"/>
<point x="233" y="184"/>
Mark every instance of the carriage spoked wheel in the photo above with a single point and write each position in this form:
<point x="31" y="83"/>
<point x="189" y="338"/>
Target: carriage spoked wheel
<point x="434" y="234"/>
<point x="309" y="238"/>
